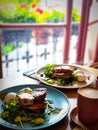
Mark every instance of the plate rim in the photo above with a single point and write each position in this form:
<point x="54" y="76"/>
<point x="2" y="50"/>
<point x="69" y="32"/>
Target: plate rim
<point x="66" y="87"/>
<point x="9" y="125"/>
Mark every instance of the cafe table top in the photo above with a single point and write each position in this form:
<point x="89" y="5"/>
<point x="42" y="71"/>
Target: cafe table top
<point x="64" y="124"/>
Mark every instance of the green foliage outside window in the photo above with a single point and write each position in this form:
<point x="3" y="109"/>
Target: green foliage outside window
<point x="29" y="11"/>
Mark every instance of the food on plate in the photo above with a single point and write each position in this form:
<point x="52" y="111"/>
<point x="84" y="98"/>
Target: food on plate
<point x="62" y="71"/>
<point x="9" y="97"/>
<point x="39" y="94"/>
<point x="26" y="90"/>
<point x="25" y="99"/>
<point x="34" y="101"/>
<point x="63" y="75"/>
<point x="81" y="77"/>
<point x="27" y="106"/>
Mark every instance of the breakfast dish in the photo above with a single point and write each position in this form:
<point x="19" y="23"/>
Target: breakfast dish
<point x="64" y="76"/>
<point x="32" y="107"/>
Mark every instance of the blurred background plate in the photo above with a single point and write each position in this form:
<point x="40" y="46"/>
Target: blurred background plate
<point x="74" y="86"/>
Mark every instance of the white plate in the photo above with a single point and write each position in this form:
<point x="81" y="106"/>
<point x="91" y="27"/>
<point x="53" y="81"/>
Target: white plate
<point x="77" y="85"/>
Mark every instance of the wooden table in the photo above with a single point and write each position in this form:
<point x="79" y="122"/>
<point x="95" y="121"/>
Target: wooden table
<point x="66" y="123"/>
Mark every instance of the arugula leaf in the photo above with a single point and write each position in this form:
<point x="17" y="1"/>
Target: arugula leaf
<point x="51" y="109"/>
<point x="48" y="69"/>
<point x="75" y="68"/>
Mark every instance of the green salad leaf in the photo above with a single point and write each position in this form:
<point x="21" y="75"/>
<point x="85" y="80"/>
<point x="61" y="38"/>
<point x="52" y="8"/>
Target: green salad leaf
<point x="48" y="69"/>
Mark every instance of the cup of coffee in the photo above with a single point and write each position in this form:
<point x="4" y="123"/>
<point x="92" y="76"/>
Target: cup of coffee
<point x="87" y="104"/>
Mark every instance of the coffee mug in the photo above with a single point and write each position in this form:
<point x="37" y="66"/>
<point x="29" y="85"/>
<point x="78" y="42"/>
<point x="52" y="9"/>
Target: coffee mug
<point x="87" y="104"/>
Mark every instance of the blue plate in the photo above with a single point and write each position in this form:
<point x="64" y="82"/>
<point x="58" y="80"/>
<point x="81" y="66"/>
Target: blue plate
<point x="60" y="100"/>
